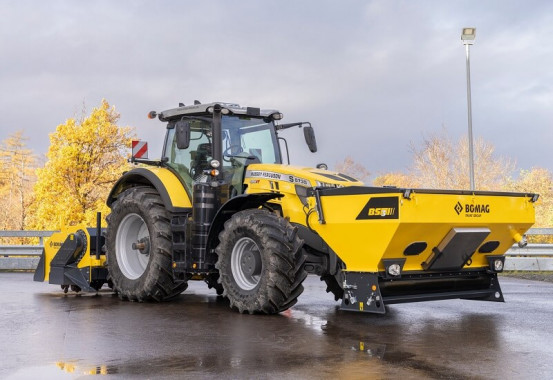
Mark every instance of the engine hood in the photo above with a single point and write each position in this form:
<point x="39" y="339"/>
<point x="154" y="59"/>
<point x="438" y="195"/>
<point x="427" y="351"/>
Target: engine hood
<point x="299" y="175"/>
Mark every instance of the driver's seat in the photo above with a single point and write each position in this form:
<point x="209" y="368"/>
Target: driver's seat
<point x="200" y="160"/>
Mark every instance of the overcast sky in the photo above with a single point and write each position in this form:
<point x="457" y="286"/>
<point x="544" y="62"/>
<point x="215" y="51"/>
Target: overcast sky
<point x="372" y="76"/>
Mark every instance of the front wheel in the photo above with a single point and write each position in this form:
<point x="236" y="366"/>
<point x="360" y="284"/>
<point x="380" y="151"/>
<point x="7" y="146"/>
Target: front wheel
<point x="139" y="247"/>
<point x="260" y="262"/>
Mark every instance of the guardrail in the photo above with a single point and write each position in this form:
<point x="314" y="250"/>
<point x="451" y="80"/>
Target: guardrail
<point x="533" y="257"/>
<point x="22" y="257"/>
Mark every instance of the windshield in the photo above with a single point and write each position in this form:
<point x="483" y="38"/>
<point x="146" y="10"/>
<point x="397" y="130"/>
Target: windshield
<point x="249" y="137"/>
<point x="245" y="140"/>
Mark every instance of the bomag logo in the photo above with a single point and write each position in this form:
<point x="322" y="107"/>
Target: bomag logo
<point x="55" y="243"/>
<point x="472" y="209"/>
<point x="380" y="208"/>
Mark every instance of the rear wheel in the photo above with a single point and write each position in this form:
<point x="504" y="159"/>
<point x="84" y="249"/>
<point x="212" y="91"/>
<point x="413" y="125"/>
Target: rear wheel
<point x="139" y="247"/>
<point x="260" y="262"/>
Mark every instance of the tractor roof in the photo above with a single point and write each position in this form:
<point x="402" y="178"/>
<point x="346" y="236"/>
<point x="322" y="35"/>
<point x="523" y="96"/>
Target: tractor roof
<point x="202" y="109"/>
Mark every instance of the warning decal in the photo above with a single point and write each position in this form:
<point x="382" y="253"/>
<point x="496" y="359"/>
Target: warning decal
<point x="139" y="149"/>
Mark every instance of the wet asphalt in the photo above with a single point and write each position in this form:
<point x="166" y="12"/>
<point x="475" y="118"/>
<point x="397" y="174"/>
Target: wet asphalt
<point x="46" y="334"/>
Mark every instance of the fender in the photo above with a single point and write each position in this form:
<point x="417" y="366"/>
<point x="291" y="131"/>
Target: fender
<point x="171" y="190"/>
<point x="232" y="206"/>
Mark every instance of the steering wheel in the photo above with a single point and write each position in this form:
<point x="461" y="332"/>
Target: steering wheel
<point x="227" y="153"/>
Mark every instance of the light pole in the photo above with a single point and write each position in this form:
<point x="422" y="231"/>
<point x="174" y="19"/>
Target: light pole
<point x="467" y="37"/>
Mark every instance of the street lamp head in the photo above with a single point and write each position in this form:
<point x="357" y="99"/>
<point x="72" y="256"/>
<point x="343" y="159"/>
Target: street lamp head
<point x="468" y="35"/>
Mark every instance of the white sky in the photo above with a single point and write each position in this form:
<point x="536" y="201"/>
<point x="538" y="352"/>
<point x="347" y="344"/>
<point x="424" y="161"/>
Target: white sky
<point x="372" y="76"/>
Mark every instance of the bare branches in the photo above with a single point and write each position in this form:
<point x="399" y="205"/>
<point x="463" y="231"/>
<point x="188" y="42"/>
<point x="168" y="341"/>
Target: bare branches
<point x="352" y="168"/>
<point x="17" y="165"/>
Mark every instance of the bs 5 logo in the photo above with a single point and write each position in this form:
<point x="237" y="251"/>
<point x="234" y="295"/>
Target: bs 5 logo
<point x="380" y="208"/>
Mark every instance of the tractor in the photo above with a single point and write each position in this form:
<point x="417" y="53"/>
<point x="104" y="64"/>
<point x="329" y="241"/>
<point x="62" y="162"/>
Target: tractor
<point x="221" y="206"/>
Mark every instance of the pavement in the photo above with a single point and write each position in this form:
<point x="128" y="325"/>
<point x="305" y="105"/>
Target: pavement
<point x="47" y="334"/>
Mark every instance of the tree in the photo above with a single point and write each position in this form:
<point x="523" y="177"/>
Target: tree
<point x="350" y="167"/>
<point x="396" y="179"/>
<point x="540" y="181"/>
<point x="17" y="165"/>
<point x="84" y="160"/>
<point x="441" y="163"/>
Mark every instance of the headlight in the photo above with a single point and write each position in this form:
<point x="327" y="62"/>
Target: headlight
<point x="394" y="270"/>
<point x="215" y="164"/>
<point x="496" y="263"/>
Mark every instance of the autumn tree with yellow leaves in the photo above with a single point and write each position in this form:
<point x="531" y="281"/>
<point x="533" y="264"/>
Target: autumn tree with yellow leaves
<point x="17" y="166"/>
<point x="442" y="163"/>
<point x="540" y="181"/>
<point x="84" y="160"/>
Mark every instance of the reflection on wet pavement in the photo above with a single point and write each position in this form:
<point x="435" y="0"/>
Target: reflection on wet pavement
<point x="52" y="335"/>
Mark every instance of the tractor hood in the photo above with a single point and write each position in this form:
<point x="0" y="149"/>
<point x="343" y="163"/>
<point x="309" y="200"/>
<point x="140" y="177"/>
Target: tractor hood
<point x="298" y="175"/>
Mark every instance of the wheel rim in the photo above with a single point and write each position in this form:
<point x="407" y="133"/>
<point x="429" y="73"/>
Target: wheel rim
<point x="132" y="262"/>
<point x="246" y="264"/>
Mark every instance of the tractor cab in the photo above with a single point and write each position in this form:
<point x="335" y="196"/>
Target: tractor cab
<point x="244" y="140"/>
<point x="217" y="141"/>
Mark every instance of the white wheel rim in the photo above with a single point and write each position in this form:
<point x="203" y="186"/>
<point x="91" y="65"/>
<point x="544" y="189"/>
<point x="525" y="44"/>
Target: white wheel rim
<point x="246" y="264"/>
<point x="132" y="262"/>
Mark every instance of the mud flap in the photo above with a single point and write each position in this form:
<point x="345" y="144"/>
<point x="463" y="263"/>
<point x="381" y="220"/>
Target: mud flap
<point x="362" y="293"/>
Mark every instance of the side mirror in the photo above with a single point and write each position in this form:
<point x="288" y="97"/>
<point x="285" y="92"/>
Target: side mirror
<point x="182" y="130"/>
<point x="310" y="138"/>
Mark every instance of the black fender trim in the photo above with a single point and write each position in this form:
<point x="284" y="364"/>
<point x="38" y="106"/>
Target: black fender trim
<point x="232" y="206"/>
<point x="143" y="177"/>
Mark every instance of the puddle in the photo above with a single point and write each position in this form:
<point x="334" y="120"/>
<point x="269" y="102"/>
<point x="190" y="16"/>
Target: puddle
<point x="373" y="350"/>
<point x="61" y="370"/>
<point x="316" y="324"/>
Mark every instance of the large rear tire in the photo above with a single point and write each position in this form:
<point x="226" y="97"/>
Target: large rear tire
<point x="260" y="262"/>
<point x="138" y="241"/>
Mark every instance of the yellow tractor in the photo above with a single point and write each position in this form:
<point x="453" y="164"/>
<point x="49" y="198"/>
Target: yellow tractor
<point x="220" y="206"/>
